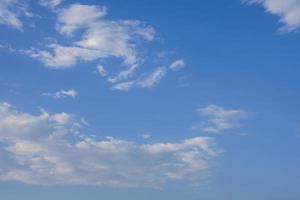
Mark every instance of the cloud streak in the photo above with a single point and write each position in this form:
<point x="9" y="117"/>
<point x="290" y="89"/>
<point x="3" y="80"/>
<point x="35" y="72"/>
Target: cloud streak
<point x="218" y="119"/>
<point x="177" y="65"/>
<point x="50" y="3"/>
<point x="147" y="80"/>
<point x="62" y="94"/>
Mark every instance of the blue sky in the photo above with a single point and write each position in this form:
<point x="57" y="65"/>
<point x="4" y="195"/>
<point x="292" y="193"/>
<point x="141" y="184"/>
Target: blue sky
<point x="149" y="99"/>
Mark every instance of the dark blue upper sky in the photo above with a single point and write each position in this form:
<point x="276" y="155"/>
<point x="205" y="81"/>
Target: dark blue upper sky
<point x="149" y="99"/>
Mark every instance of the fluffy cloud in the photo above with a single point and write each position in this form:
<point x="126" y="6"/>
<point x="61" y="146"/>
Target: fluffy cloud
<point x="11" y="11"/>
<point x="100" y="39"/>
<point x="44" y="150"/>
<point x="220" y="119"/>
<point x="62" y="94"/>
<point x="79" y="16"/>
<point x="287" y="10"/>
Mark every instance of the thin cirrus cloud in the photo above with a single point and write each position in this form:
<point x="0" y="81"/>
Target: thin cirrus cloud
<point x="148" y="80"/>
<point x="288" y="12"/>
<point x="11" y="12"/>
<point x="44" y="150"/>
<point x="218" y="119"/>
<point x="177" y="65"/>
<point x="62" y="94"/>
<point x="102" y="71"/>
<point x="146" y="136"/>
<point x="50" y="3"/>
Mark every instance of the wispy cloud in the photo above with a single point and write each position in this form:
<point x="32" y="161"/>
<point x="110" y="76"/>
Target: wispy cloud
<point x="50" y="3"/>
<point x="124" y="86"/>
<point x="177" y="65"/>
<point x="146" y="136"/>
<point x="62" y="94"/>
<point x="102" y="71"/>
<point x="288" y="12"/>
<point x="147" y="80"/>
<point x="218" y="119"/>
<point x="152" y="79"/>
<point x="44" y="150"/>
<point x="99" y="39"/>
<point x="11" y="11"/>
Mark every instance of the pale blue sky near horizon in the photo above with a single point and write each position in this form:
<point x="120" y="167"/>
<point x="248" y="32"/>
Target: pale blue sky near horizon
<point x="210" y="112"/>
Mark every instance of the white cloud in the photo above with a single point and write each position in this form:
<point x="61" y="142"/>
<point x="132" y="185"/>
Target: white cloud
<point x="44" y="150"/>
<point x="288" y="12"/>
<point x="62" y="94"/>
<point x="146" y="136"/>
<point x="102" y="71"/>
<point x="123" y="74"/>
<point x="62" y="118"/>
<point x="147" y="80"/>
<point x="152" y="79"/>
<point x="100" y="39"/>
<point x="90" y="36"/>
<point x="177" y="65"/>
<point x="79" y="16"/>
<point x="64" y="56"/>
<point x="50" y="3"/>
<point x="11" y="11"/>
<point x="124" y="86"/>
<point x="220" y="119"/>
